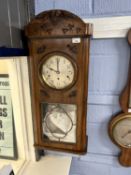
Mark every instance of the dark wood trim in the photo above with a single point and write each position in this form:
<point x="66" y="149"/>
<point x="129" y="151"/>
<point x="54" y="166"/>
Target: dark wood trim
<point x="125" y="155"/>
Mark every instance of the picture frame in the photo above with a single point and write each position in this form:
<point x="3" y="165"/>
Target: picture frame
<point x="8" y="146"/>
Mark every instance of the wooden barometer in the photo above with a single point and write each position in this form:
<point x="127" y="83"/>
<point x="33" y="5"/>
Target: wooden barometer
<point x="120" y="126"/>
<point x="58" y="67"/>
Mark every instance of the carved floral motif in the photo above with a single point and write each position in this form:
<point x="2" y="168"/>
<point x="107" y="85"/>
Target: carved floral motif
<point x="73" y="94"/>
<point x="72" y="48"/>
<point x="67" y="24"/>
<point x="41" y="49"/>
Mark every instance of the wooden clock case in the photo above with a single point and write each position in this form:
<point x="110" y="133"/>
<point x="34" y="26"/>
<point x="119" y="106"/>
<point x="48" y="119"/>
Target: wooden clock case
<point x="125" y="104"/>
<point x="59" y="32"/>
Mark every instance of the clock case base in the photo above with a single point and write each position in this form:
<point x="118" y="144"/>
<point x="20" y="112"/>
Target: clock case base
<point x="80" y="152"/>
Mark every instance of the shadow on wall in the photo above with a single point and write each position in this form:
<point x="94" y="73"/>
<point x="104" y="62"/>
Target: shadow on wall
<point x="11" y="37"/>
<point x="5" y="37"/>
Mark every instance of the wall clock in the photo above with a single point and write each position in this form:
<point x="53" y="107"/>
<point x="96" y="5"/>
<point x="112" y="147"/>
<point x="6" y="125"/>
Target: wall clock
<point x="58" y="66"/>
<point x="120" y="126"/>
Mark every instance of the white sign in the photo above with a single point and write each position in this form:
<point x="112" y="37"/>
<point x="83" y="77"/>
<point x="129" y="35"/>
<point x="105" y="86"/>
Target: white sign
<point x="7" y="146"/>
<point x="76" y="40"/>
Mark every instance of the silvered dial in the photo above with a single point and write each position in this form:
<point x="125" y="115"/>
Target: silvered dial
<point x="122" y="132"/>
<point x="58" y="72"/>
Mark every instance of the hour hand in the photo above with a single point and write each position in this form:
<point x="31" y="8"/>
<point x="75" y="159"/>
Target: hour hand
<point x="128" y="132"/>
<point x="52" y="69"/>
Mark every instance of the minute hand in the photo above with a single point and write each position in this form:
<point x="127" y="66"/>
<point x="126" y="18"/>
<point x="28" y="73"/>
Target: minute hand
<point x="58" y="65"/>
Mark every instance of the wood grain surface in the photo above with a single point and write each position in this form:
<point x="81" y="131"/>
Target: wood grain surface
<point x="51" y="33"/>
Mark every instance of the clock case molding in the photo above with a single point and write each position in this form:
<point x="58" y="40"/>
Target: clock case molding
<point x="53" y="32"/>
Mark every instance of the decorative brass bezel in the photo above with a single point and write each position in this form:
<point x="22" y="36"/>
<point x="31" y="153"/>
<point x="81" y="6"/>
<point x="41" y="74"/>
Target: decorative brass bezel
<point x="112" y="125"/>
<point x="70" y="59"/>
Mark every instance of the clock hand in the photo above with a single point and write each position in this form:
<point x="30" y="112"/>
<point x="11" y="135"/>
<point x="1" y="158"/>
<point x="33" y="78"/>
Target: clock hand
<point x="52" y="69"/>
<point x="128" y="132"/>
<point x="58" y="60"/>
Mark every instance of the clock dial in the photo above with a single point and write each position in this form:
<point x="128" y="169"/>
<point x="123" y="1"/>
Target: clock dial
<point x="58" y="72"/>
<point x="122" y="132"/>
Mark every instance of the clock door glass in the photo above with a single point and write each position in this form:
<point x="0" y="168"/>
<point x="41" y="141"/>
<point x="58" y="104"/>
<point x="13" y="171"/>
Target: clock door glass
<point x="122" y="132"/>
<point x="58" y="72"/>
<point x="59" y="122"/>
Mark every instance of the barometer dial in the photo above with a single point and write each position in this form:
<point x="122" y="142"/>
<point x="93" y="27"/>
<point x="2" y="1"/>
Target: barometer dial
<point x="122" y="131"/>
